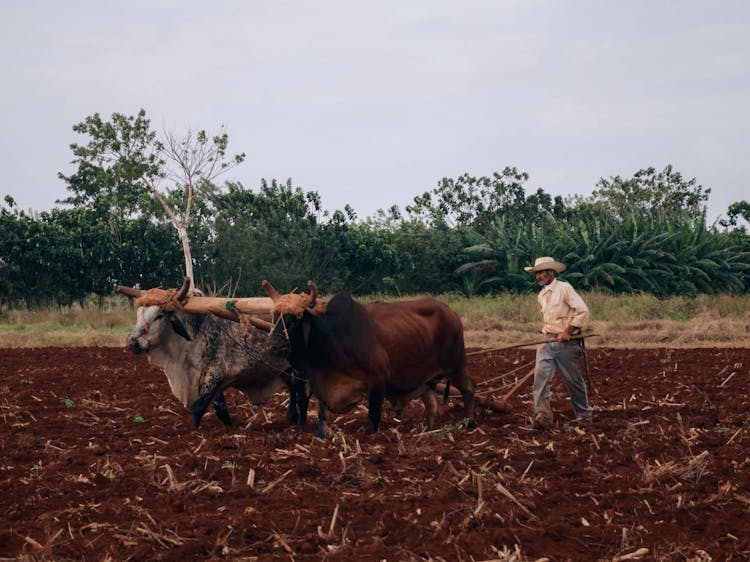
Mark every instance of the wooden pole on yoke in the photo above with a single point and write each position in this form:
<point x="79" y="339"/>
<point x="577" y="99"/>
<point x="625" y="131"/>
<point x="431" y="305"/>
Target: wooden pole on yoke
<point x="217" y="305"/>
<point x="230" y="309"/>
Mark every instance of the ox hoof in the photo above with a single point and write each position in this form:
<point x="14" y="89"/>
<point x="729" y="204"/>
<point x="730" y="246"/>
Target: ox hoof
<point x="470" y="423"/>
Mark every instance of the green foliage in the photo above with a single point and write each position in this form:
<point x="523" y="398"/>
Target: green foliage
<point x="665" y="193"/>
<point x="113" y="164"/>
<point x="469" y="236"/>
<point x="476" y="202"/>
<point x="266" y="235"/>
<point x="122" y="169"/>
<point x="739" y="210"/>
<point x="497" y="258"/>
<point x="454" y="428"/>
<point x="646" y="234"/>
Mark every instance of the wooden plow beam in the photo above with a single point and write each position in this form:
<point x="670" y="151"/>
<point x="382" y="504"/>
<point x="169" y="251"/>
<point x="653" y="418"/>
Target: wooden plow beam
<point x="528" y="343"/>
<point x="499" y="405"/>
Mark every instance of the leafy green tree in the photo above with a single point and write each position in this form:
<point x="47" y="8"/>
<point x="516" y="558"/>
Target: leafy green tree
<point x="147" y="253"/>
<point x="40" y="263"/>
<point x="92" y="252"/>
<point x="359" y="257"/>
<point x="269" y="234"/>
<point x="666" y="193"/>
<point x="125" y="166"/>
<point x="496" y="257"/>
<point x="471" y="201"/>
<point x="739" y="210"/>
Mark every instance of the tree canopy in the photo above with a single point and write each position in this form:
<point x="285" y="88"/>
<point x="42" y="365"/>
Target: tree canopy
<point x="135" y="195"/>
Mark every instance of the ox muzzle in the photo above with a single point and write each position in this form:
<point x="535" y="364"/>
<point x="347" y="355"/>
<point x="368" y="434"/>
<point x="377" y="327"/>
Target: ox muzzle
<point x="136" y="344"/>
<point x="139" y="341"/>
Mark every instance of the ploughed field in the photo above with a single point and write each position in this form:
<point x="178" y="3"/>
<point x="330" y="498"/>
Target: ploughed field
<point x="99" y="462"/>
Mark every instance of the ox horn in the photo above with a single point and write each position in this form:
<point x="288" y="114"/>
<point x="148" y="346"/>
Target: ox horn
<point x="270" y="291"/>
<point x="261" y="324"/>
<point x="313" y="294"/>
<point x="129" y="291"/>
<point x="182" y="293"/>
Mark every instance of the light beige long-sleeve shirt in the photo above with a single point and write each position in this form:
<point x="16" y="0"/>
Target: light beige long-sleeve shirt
<point x="561" y="307"/>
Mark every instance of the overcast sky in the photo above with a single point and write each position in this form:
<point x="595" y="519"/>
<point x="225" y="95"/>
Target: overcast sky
<point x="372" y="103"/>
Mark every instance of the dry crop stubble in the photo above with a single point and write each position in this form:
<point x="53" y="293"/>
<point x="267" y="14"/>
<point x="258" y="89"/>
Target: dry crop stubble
<point x="662" y="475"/>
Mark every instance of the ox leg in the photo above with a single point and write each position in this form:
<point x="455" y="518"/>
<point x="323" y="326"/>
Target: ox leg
<point x="222" y="412"/>
<point x="292" y="414"/>
<point x="429" y="398"/>
<point x="321" y="419"/>
<point x="303" y="401"/>
<point x="398" y="412"/>
<point x="299" y="397"/>
<point x="206" y="396"/>
<point x="463" y="383"/>
<point x="447" y="391"/>
<point x="375" y="408"/>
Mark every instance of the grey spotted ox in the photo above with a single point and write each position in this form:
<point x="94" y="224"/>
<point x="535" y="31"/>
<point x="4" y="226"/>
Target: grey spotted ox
<point x="202" y="355"/>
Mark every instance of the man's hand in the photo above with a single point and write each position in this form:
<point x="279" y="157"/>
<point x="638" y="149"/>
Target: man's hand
<point x="568" y="334"/>
<point x="563" y="336"/>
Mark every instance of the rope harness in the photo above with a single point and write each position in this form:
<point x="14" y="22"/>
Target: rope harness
<point x="164" y="298"/>
<point x="294" y="304"/>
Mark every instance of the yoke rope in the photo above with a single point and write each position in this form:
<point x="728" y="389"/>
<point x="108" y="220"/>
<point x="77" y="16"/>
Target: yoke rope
<point x="165" y="298"/>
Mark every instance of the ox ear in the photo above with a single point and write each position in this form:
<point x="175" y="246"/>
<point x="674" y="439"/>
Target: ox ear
<point x="179" y="327"/>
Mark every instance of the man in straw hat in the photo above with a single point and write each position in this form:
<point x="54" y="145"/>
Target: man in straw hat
<point x="564" y="316"/>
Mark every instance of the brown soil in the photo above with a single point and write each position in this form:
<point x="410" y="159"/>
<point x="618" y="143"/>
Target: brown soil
<point x="99" y="462"/>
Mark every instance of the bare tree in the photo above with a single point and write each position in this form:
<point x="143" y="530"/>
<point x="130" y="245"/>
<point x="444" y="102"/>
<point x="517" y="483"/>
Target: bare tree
<point x="190" y="164"/>
<point x="124" y="157"/>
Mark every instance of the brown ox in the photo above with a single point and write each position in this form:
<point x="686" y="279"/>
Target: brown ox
<point x="351" y="351"/>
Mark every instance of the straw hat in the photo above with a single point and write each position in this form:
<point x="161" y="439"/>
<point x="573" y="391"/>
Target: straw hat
<point x="546" y="263"/>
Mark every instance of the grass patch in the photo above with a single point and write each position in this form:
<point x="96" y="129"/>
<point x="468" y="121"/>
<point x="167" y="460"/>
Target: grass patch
<point x="505" y="319"/>
<point x="69" y="319"/>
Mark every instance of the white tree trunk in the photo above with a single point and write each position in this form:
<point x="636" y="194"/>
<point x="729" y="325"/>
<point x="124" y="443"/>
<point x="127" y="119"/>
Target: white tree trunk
<point x="182" y="231"/>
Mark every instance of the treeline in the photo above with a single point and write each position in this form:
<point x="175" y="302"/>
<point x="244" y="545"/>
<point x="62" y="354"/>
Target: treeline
<point x="647" y="233"/>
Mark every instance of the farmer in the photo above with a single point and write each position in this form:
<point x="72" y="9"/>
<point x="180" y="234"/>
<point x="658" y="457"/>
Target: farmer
<point x="564" y="315"/>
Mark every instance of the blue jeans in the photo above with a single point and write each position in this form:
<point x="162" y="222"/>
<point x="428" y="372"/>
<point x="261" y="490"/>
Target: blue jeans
<point x="567" y="357"/>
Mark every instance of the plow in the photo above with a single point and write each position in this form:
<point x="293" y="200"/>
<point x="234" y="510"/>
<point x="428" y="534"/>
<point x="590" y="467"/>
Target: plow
<point x="502" y="404"/>
<point x="485" y="396"/>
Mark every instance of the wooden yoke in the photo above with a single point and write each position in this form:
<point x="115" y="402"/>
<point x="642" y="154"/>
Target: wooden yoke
<point x="215" y="305"/>
<point x="255" y="311"/>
